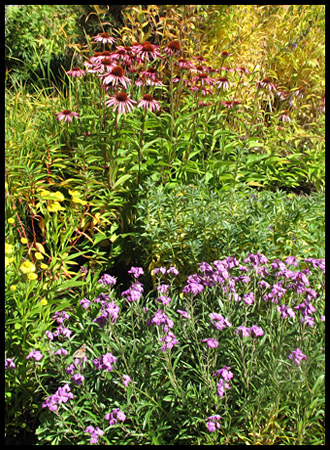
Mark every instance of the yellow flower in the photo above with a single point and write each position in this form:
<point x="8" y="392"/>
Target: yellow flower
<point x="44" y="302"/>
<point x="39" y="255"/>
<point x="8" y="261"/>
<point x="11" y="220"/>
<point x="24" y="240"/>
<point x="27" y="267"/>
<point x="43" y="266"/>
<point x="45" y="193"/>
<point x="32" y="276"/>
<point x="40" y="247"/>
<point x="8" y="248"/>
<point x="54" y="207"/>
<point x="76" y="197"/>
<point x="13" y="287"/>
<point x="59" y="196"/>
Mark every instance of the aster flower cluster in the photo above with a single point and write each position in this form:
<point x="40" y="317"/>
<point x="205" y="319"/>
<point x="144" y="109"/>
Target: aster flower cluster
<point x="134" y="293"/>
<point x="62" y="395"/>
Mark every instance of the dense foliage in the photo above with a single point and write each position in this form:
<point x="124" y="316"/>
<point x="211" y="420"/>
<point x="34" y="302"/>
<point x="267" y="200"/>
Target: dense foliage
<point x="160" y="148"/>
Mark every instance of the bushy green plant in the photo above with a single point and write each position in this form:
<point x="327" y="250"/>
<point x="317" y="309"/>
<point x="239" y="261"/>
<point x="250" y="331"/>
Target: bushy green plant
<point x="181" y="224"/>
<point x="242" y="346"/>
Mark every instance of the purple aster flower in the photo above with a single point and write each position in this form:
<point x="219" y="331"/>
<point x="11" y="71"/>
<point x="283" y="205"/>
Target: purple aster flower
<point x="173" y="270"/>
<point x="213" y="422"/>
<point x="263" y="284"/>
<point x="9" y="364"/>
<point x="126" y="379"/>
<point x="297" y="355"/>
<point x="212" y="343"/>
<point x="77" y="378"/>
<point x="219" y="321"/>
<point x="170" y="340"/>
<point x="105" y="362"/>
<point x="36" y="354"/>
<point x="136" y="271"/>
<point x="164" y="299"/>
<point x="163" y="288"/>
<point x="245" y="331"/>
<point x="183" y="313"/>
<point x="62" y="395"/>
<point x="162" y="270"/>
<point x="50" y="335"/>
<point x="224" y="373"/>
<point x="70" y="369"/>
<point x="61" y="352"/>
<point x="84" y="302"/>
<point x="134" y="293"/>
<point x="222" y="385"/>
<point x="107" y="280"/>
<point x="60" y="316"/>
<point x="114" y="415"/>
<point x="248" y="298"/>
<point x="94" y="432"/>
<point x="291" y="261"/>
<point x="286" y="311"/>
<point x="257" y="331"/>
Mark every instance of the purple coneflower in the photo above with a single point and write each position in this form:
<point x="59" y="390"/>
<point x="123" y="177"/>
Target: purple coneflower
<point x="225" y="54"/>
<point x="148" y="103"/>
<point x="66" y="115"/>
<point x="184" y="64"/>
<point x="105" y="38"/>
<point x="203" y="78"/>
<point x="76" y="72"/>
<point x="147" y="49"/>
<point x="300" y="92"/>
<point x="121" y="101"/>
<point x="172" y="48"/>
<point x="266" y="83"/>
<point x="222" y="82"/>
<point x="285" y="116"/>
<point x="116" y="75"/>
<point x="242" y="69"/>
<point x="150" y="73"/>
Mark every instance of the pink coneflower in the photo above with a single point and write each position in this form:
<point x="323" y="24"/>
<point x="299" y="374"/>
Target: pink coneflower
<point x="76" y="72"/>
<point x="222" y="82"/>
<point x="266" y="83"/>
<point x="203" y="78"/>
<point x="204" y="103"/>
<point x="148" y="103"/>
<point x="285" y="116"/>
<point x="99" y="56"/>
<point x="66" y="115"/>
<point x="227" y="103"/>
<point x="225" y="54"/>
<point x="199" y="69"/>
<point x="116" y="76"/>
<point x="184" y="64"/>
<point x="154" y="82"/>
<point x="172" y="48"/>
<point x="300" y="92"/>
<point x="121" y="101"/>
<point x="227" y="69"/>
<point x="105" y="38"/>
<point x="283" y="94"/>
<point x="147" y="49"/>
<point x="150" y="73"/>
<point x="243" y="70"/>
<point x="122" y="53"/>
<point x="200" y="59"/>
<point x="106" y="65"/>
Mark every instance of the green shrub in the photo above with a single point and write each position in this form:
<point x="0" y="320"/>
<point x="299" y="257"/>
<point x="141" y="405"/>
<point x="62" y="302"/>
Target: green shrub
<point x="182" y="225"/>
